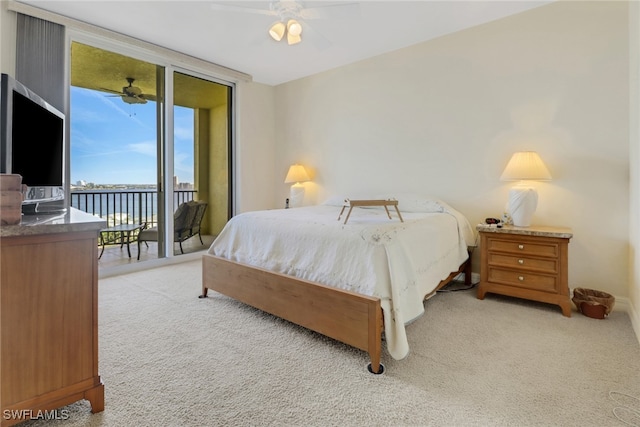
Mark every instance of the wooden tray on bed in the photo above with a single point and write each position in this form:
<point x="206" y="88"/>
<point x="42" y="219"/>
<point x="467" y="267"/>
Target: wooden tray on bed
<point x="348" y="203"/>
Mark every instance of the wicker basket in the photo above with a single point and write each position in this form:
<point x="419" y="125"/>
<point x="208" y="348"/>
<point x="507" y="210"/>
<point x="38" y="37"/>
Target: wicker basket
<point x="592" y="303"/>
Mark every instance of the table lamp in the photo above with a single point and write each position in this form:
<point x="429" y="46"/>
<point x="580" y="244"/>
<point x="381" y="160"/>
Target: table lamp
<point x="296" y="174"/>
<point x="523" y="198"/>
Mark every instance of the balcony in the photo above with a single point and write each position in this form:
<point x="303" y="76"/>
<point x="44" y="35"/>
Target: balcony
<point x="129" y="206"/>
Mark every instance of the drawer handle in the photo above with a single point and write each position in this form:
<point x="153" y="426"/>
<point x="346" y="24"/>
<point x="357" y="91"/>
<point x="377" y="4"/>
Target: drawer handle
<point x="520" y="261"/>
<point x="520" y="246"/>
<point x="521" y="278"/>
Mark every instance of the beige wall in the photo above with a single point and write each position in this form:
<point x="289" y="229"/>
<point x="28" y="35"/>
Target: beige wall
<point x="255" y="148"/>
<point x="443" y="118"/>
<point x="7" y="40"/>
<point x="634" y="161"/>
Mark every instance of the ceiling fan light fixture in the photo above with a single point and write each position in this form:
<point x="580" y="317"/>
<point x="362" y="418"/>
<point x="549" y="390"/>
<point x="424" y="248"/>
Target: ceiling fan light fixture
<point x="294" y="28"/>
<point x="277" y="31"/>
<point x="132" y="90"/>
<point x="292" y="39"/>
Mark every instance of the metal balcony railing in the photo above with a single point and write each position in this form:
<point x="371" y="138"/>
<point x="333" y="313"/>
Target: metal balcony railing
<point x="125" y="206"/>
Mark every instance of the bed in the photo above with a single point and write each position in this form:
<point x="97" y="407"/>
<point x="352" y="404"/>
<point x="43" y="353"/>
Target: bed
<point x="350" y="282"/>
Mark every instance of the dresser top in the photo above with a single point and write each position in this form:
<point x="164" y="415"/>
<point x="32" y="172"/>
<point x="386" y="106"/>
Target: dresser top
<point x="534" y="230"/>
<point x="72" y="220"/>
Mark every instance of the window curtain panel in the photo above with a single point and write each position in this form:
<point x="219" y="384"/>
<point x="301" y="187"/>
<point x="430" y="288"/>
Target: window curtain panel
<point x="40" y="47"/>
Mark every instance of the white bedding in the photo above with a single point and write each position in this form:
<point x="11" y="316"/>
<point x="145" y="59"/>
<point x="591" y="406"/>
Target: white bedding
<point x="399" y="262"/>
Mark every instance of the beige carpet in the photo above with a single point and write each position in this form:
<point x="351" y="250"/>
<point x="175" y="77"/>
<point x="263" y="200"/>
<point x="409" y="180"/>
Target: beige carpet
<point x="168" y="358"/>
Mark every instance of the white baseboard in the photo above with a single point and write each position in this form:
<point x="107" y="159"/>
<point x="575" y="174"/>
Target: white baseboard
<point x="103" y="273"/>
<point x="635" y="318"/>
<point x="623" y="304"/>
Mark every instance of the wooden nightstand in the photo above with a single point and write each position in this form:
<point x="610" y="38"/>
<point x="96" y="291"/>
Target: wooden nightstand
<point x="525" y="262"/>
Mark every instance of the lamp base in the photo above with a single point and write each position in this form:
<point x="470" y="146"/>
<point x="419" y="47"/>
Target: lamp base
<point x="296" y="195"/>
<point x="522" y="204"/>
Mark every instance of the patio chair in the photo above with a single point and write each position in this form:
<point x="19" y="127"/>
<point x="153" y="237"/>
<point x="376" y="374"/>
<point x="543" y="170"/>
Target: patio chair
<point x="186" y="224"/>
<point x="200" y="207"/>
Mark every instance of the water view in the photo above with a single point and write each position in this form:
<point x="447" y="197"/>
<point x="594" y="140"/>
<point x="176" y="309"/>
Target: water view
<point x="114" y="157"/>
<point x="125" y="206"/>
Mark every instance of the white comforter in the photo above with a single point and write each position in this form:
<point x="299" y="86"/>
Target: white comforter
<point x="398" y="262"/>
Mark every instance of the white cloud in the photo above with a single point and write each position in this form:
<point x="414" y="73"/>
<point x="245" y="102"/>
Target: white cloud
<point x="183" y="133"/>
<point x="147" y="148"/>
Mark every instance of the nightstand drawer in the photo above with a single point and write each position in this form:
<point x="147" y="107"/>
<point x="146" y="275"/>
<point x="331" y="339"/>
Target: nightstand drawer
<point x="523" y="247"/>
<point x="523" y="279"/>
<point x="545" y="265"/>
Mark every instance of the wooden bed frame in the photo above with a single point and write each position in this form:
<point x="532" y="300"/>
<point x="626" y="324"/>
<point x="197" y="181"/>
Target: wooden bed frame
<point x="348" y="317"/>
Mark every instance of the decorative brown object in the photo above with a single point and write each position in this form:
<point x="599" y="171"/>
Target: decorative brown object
<point x="10" y="182"/>
<point x="592" y="303"/>
<point x="11" y="197"/>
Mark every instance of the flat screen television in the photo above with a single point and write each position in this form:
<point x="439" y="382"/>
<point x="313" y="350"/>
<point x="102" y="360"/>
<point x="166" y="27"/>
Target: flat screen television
<point x="32" y="143"/>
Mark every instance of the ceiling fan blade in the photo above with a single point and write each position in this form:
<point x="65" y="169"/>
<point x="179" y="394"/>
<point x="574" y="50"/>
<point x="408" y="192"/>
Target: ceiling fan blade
<point x="241" y="9"/>
<point x="110" y="90"/>
<point x="335" y="10"/>
<point x="149" y="97"/>
<point x="315" y="37"/>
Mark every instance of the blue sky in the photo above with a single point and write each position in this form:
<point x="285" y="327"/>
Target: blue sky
<point x="113" y="142"/>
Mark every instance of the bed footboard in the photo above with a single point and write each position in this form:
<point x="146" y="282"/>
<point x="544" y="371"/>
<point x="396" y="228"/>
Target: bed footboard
<point x="345" y="316"/>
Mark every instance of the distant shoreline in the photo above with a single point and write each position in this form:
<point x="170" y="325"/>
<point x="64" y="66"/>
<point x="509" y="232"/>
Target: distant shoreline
<point x="114" y="187"/>
<point x="121" y="187"/>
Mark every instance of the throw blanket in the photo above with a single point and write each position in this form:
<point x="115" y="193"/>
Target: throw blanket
<point x="398" y="262"/>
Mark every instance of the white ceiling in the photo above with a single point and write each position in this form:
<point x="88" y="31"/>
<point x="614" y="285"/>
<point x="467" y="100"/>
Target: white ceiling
<point x="238" y="39"/>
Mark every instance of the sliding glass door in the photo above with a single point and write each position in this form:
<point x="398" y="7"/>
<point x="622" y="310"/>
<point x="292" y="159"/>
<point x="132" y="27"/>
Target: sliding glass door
<point x="138" y="152"/>
<point x="202" y="145"/>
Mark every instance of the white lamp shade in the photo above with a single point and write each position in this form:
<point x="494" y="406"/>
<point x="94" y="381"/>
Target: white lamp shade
<point x="525" y="165"/>
<point x="297" y="173"/>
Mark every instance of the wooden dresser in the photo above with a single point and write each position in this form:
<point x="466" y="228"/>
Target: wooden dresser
<point x="49" y="316"/>
<point x="525" y="262"/>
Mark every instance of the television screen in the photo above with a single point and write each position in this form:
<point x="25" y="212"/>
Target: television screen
<point x="32" y="135"/>
<point x="37" y="149"/>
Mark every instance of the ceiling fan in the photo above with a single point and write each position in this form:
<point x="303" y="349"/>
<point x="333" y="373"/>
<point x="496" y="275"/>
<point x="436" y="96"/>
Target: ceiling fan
<point x="132" y="94"/>
<point x="291" y="14"/>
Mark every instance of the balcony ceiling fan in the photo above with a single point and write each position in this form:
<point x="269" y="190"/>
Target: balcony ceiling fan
<point x="292" y="13"/>
<point x="131" y="94"/>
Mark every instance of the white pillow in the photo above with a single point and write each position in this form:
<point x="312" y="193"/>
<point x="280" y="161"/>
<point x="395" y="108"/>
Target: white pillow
<point x="409" y="202"/>
<point x="334" y="201"/>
